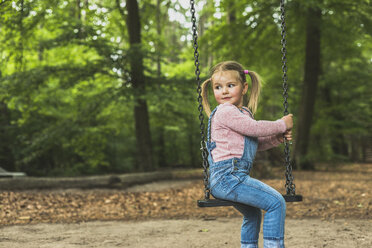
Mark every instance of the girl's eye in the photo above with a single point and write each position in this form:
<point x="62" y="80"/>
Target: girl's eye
<point x="218" y="87"/>
<point x="231" y="85"/>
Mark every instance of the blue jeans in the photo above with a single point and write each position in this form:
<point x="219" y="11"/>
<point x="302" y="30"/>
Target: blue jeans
<point x="230" y="180"/>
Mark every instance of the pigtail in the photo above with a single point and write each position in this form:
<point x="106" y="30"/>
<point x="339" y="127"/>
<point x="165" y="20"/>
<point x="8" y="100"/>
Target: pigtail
<point x="204" y="94"/>
<point x="255" y="91"/>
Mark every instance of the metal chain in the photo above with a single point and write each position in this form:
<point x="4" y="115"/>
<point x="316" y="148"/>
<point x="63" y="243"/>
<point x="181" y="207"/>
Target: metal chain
<point x="203" y="148"/>
<point x="289" y="185"/>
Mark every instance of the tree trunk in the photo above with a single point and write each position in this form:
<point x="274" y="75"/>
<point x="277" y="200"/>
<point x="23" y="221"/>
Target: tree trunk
<point x="78" y="10"/>
<point x="231" y="15"/>
<point x="355" y="149"/>
<point x="162" y="161"/>
<point x="142" y="126"/>
<point x="190" y="131"/>
<point x="6" y="154"/>
<point x="312" y="72"/>
<point x="19" y="57"/>
<point x="367" y="149"/>
<point x="338" y="143"/>
<point x="158" y="30"/>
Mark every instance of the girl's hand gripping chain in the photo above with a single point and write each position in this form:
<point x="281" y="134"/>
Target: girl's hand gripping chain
<point x="287" y="136"/>
<point x="288" y="119"/>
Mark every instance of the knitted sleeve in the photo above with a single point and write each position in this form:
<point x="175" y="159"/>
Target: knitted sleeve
<point x="230" y="116"/>
<point x="265" y="143"/>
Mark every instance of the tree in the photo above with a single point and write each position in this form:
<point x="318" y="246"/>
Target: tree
<point x="6" y="153"/>
<point x="309" y="88"/>
<point x="142" y="127"/>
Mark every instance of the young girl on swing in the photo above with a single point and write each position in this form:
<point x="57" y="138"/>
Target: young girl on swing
<point x="233" y="139"/>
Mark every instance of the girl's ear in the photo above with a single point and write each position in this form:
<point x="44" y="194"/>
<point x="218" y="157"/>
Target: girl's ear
<point x="245" y="88"/>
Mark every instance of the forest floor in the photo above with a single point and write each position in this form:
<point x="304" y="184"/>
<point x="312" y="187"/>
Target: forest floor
<point x="335" y="212"/>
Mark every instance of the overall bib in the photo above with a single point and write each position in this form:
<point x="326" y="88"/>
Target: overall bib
<point x="230" y="180"/>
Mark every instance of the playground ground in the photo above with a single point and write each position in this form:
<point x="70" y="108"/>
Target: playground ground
<point x="183" y="233"/>
<point x="336" y="213"/>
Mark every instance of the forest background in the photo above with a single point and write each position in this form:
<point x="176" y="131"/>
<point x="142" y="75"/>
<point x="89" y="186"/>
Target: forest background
<point x="96" y="87"/>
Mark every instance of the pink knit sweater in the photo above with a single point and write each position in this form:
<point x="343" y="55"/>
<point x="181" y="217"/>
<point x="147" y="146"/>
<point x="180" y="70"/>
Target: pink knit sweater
<point x="229" y="126"/>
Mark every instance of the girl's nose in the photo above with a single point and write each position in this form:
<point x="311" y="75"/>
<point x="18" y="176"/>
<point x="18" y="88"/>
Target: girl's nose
<point x="225" y="90"/>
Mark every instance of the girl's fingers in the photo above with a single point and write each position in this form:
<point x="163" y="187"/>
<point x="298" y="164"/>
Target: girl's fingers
<point x="288" y="137"/>
<point x="288" y="134"/>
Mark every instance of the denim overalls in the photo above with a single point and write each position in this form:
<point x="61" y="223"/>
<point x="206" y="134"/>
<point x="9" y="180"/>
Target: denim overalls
<point x="230" y="180"/>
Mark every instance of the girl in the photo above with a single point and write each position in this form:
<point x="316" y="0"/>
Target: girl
<point x="233" y="139"/>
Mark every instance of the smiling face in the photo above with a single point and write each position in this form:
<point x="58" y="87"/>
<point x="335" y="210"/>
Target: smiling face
<point x="227" y="87"/>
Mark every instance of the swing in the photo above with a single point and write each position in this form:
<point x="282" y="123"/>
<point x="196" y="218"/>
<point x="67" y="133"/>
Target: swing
<point x="290" y="195"/>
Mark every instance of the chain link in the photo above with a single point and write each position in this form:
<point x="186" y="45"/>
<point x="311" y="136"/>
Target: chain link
<point x="203" y="148"/>
<point x="289" y="185"/>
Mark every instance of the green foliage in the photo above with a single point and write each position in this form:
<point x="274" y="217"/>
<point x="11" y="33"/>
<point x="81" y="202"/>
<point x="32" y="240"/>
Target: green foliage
<point x="66" y="93"/>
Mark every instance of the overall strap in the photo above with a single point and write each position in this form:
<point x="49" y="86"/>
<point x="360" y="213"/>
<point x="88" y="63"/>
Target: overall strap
<point x="249" y="112"/>
<point x="209" y="126"/>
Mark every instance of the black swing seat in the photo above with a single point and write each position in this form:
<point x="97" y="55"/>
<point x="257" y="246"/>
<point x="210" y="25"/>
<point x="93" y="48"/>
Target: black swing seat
<point x="215" y="203"/>
<point x="223" y="203"/>
<point x="292" y="198"/>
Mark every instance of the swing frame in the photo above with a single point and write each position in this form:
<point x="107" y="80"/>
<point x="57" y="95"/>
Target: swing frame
<point x="290" y="195"/>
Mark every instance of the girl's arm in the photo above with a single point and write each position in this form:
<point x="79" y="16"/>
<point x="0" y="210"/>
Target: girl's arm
<point x="266" y="143"/>
<point x="230" y="116"/>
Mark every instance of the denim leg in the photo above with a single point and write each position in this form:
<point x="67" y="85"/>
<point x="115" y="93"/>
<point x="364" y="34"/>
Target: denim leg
<point x="257" y="194"/>
<point x="240" y="187"/>
<point x="249" y="191"/>
<point x="251" y="225"/>
<point x="270" y="243"/>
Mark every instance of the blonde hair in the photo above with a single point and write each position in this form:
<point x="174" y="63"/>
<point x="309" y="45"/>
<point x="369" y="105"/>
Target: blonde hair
<point x="234" y="66"/>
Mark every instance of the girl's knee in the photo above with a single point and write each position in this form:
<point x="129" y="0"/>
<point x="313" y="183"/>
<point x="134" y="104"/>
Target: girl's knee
<point x="280" y="203"/>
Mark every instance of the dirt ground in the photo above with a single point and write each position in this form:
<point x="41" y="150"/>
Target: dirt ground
<point x="192" y="233"/>
<point x="336" y="213"/>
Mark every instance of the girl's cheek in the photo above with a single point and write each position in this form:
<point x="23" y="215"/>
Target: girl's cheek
<point x="217" y="96"/>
